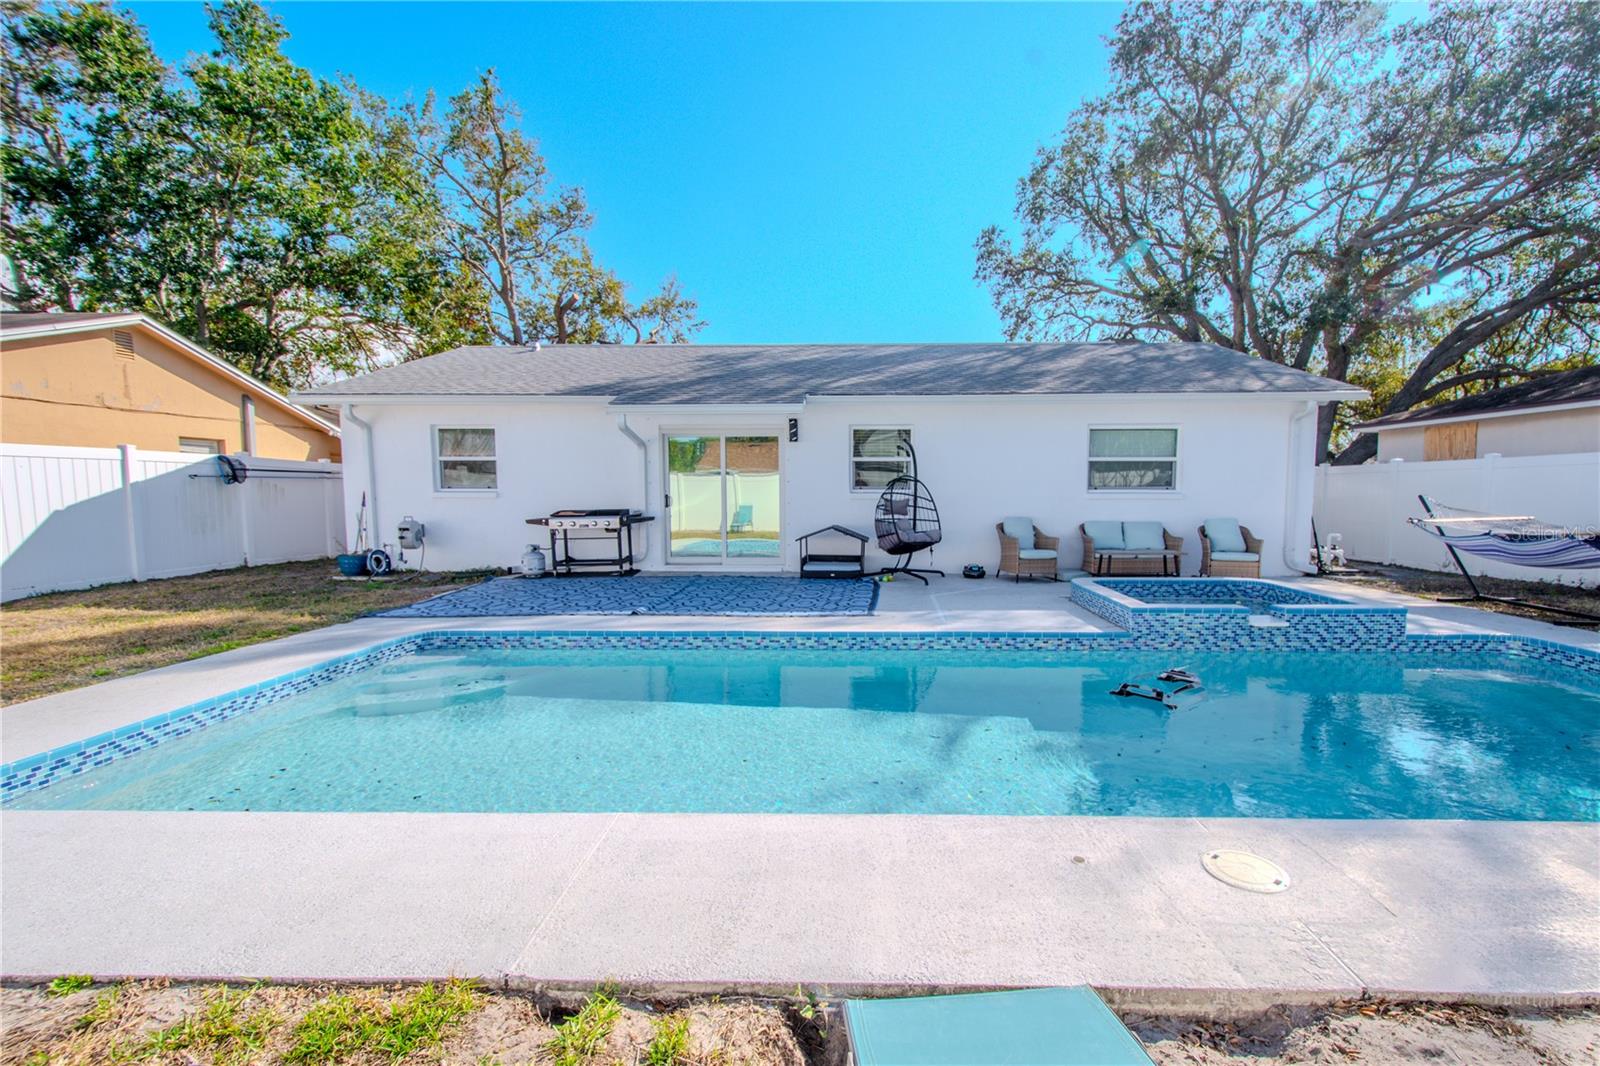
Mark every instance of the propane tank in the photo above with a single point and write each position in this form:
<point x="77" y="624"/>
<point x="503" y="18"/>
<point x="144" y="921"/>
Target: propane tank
<point x="533" y="564"/>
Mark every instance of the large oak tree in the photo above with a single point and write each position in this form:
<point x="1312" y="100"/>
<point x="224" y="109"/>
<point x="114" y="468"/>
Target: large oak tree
<point x="1307" y="184"/>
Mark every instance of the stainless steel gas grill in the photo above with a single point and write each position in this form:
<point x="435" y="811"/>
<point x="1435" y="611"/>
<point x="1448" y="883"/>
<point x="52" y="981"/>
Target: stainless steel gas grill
<point x="600" y="524"/>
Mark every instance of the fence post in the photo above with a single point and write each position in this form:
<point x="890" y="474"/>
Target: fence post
<point x="1491" y="465"/>
<point x="129" y="515"/>
<point x="333" y="513"/>
<point x="1394" y="509"/>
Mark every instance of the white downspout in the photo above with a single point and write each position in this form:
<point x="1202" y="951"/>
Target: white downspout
<point x="643" y="545"/>
<point x="349" y="414"/>
<point x="1293" y="557"/>
<point x="247" y="418"/>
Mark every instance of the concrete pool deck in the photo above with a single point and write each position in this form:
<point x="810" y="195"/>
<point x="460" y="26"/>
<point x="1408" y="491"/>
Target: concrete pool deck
<point x="1488" y="910"/>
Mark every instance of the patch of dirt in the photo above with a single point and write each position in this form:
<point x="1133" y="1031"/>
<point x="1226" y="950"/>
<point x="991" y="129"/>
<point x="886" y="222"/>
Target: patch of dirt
<point x="505" y="1029"/>
<point x="1379" y="1034"/>
<point x="744" y="1032"/>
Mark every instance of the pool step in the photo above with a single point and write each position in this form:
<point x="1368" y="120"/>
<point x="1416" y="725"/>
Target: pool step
<point x="419" y="693"/>
<point x="1268" y="621"/>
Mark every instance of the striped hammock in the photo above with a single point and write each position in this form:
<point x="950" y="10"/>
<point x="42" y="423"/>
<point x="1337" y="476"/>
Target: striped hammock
<point x="1519" y="539"/>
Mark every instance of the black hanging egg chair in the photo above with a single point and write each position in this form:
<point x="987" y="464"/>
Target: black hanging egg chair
<point x="906" y="521"/>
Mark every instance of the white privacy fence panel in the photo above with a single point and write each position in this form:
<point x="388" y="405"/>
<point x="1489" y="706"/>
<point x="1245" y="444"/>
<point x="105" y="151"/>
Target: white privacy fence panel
<point x="1369" y="505"/>
<point x="78" y="517"/>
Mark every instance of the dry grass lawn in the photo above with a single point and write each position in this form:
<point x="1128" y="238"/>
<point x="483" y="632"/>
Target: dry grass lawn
<point x="454" y="1024"/>
<point x="69" y="639"/>
<point x="75" y="1022"/>
<point x="1431" y="585"/>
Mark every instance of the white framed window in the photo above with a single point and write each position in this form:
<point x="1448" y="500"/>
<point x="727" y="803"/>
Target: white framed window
<point x="878" y="455"/>
<point x="1133" y="459"/>
<point x="199" y="445"/>
<point x="464" y="459"/>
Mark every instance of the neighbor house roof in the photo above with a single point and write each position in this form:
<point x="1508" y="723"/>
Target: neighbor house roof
<point x="1566" y="388"/>
<point x="33" y="323"/>
<point x="23" y="325"/>
<point x="789" y="373"/>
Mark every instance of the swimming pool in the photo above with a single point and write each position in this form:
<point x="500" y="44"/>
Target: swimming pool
<point x="752" y="725"/>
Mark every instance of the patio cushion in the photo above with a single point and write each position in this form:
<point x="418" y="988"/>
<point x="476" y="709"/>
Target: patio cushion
<point x="1106" y="535"/>
<point x="1019" y="528"/>
<point x="1224" y="535"/>
<point x="1235" y="557"/>
<point x="1142" y="536"/>
<point x="907" y="535"/>
<point x="1036" y="553"/>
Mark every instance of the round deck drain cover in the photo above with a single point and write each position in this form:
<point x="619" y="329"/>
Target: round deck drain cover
<point x="1243" y="870"/>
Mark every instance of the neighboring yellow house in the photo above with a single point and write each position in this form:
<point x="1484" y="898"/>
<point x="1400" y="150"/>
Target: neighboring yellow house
<point x="99" y="380"/>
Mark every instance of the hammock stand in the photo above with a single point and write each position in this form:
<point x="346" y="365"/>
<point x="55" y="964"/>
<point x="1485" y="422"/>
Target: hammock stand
<point x="906" y="521"/>
<point x="1504" y="546"/>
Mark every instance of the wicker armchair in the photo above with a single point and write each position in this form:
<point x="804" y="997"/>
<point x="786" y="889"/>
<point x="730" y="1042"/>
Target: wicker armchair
<point x="1210" y="567"/>
<point x="1011" y="555"/>
<point x="1151" y="566"/>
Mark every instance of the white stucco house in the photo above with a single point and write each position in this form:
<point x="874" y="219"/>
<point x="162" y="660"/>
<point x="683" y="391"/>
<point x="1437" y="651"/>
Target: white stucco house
<point x="736" y="450"/>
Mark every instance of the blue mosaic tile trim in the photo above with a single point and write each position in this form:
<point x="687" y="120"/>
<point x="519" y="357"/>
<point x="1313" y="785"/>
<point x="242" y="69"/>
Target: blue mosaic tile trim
<point x="1180" y="629"/>
<point x="1556" y="659"/>
<point x="1225" y="590"/>
<point x="37" y="771"/>
<point x="770" y="640"/>
<point x="744" y="595"/>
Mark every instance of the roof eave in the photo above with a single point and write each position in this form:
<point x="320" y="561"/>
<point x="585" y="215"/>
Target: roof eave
<point x="413" y="398"/>
<point x="1318" y="395"/>
<point x="1378" y="425"/>
<point x="339" y="399"/>
<point x="56" y="329"/>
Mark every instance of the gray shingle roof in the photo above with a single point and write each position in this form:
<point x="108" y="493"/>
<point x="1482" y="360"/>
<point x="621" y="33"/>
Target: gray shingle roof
<point x="1548" y="390"/>
<point x="788" y="373"/>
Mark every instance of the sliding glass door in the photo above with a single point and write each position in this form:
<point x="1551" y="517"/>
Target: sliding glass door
<point x="723" y="498"/>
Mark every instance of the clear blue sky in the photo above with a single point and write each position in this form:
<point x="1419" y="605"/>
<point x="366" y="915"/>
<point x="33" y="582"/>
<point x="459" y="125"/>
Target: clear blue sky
<point x="810" y="172"/>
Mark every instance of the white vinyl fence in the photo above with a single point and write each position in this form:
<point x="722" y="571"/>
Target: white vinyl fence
<point x="73" y="518"/>
<point x="1369" y="505"/>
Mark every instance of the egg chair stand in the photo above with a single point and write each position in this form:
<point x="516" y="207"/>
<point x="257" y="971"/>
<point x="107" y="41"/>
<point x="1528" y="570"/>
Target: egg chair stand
<point x="906" y="521"/>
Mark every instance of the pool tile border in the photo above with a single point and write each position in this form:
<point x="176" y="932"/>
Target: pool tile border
<point x="40" y="770"/>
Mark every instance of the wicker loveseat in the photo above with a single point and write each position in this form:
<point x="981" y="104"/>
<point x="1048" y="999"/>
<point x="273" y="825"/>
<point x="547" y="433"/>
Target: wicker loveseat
<point x="1229" y="549"/>
<point x="1041" y="558"/>
<point x="1130" y="548"/>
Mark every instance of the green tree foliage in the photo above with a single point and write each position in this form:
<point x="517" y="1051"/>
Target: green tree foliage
<point x="519" y="237"/>
<point x="297" y="227"/>
<point x="1412" y="209"/>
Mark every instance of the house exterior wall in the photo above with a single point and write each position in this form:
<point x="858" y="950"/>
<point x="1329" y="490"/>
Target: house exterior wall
<point x="1533" y="433"/>
<point x="77" y="390"/>
<point x="982" y="460"/>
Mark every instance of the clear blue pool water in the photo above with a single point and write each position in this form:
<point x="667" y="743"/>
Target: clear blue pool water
<point x="1306" y="735"/>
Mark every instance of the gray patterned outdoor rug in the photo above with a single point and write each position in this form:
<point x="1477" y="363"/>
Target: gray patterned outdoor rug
<point x="716" y="594"/>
